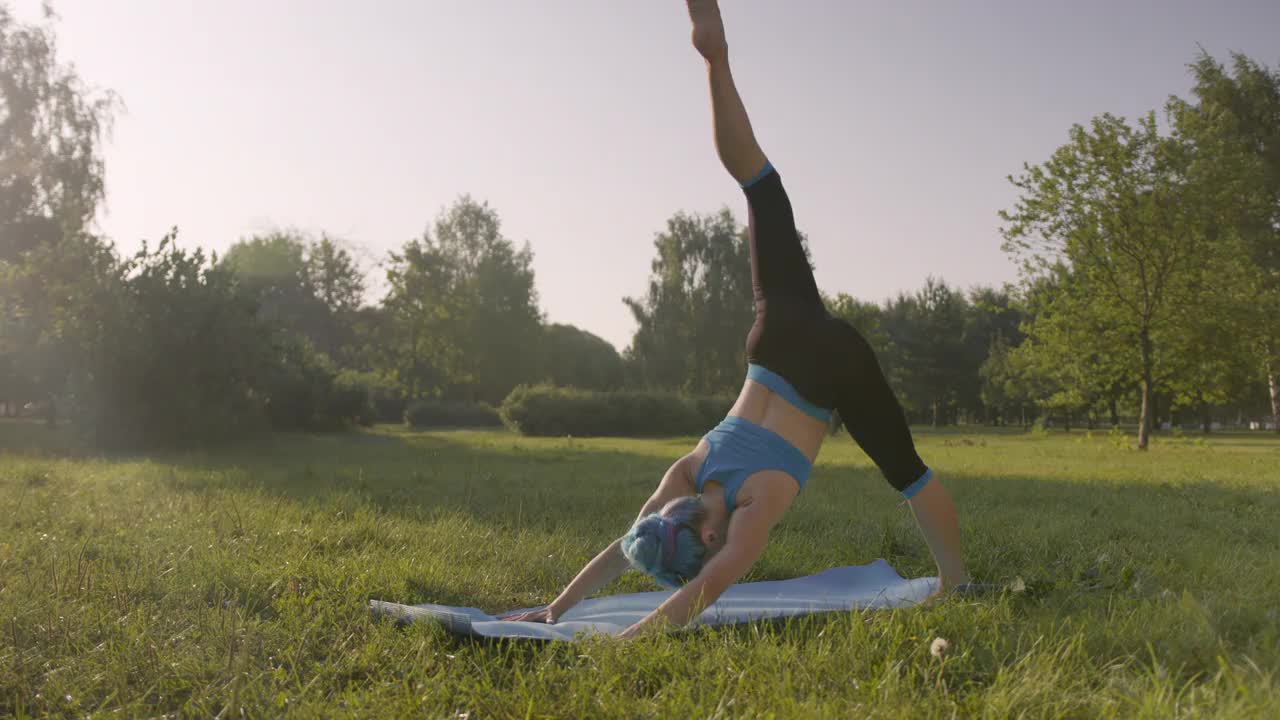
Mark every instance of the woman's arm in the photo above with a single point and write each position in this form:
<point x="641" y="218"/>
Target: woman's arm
<point x="610" y="563"/>
<point x="749" y="528"/>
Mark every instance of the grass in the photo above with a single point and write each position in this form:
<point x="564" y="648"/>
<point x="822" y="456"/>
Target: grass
<point x="235" y="583"/>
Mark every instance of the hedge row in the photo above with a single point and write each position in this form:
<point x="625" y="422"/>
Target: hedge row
<point x="544" y="410"/>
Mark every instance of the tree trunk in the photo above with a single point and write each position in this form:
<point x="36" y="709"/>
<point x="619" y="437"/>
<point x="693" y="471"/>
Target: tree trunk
<point x="414" y="388"/>
<point x="1066" y="423"/>
<point x="1115" y="414"/>
<point x="1206" y="418"/>
<point x="935" y="412"/>
<point x="1144" y="416"/>
<point x="1273" y="380"/>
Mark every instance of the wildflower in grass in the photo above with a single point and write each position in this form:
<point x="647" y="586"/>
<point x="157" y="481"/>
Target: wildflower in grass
<point x="939" y="647"/>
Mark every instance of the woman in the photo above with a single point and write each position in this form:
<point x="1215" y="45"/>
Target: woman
<point x="710" y="517"/>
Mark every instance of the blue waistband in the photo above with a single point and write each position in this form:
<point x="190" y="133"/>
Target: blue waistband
<point x="779" y="385"/>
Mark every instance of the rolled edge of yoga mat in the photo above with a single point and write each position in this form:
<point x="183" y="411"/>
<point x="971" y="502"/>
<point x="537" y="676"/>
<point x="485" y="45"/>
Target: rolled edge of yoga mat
<point x="405" y="614"/>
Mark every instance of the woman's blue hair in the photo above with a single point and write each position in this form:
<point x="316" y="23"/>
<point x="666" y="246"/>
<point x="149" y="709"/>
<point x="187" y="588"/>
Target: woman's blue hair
<point x="667" y="545"/>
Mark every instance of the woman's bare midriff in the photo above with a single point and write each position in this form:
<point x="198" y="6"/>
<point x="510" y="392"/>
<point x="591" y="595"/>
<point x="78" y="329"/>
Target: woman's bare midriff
<point x="762" y="406"/>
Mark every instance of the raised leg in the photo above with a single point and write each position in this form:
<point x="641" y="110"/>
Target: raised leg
<point x="735" y="141"/>
<point x="779" y="264"/>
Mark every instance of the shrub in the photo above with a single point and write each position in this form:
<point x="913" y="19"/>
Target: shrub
<point x="352" y="398"/>
<point x="545" y="410"/>
<point x="298" y="386"/>
<point x="169" y="354"/>
<point x="304" y="391"/>
<point x="435" y="414"/>
<point x="388" y="401"/>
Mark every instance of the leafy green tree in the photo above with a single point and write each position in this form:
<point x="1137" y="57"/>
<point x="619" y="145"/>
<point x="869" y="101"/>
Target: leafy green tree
<point x="866" y="317"/>
<point x="693" y="321"/>
<point x="1111" y="208"/>
<point x="926" y="344"/>
<point x="53" y="301"/>
<point x="311" y="288"/>
<point x="576" y="358"/>
<point x="463" y="309"/>
<point x="1211" y="360"/>
<point x="273" y="269"/>
<point x="1005" y="388"/>
<point x="421" y="314"/>
<point x="177" y="353"/>
<point x="991" y="313"/>
<point x="51" y="127"/>
<point x="177" y="356"/>
<point x="1234" y="126"/>
<point x="337" y="282"/>
<point x="1072" y="359"/>
<point x="51" y="182"/>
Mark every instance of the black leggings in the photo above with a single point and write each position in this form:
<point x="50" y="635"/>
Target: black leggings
<point x="824" y="358"/>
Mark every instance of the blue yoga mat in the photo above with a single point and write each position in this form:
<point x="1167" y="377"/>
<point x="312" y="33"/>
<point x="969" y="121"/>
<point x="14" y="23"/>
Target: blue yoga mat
<point x="855" y="587"/>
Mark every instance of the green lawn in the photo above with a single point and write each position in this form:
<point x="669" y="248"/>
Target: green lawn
<point x="237" y="582"/>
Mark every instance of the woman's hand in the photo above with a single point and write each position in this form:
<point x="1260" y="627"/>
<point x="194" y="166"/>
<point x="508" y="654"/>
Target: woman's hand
<point x="643" y="628"/>
<point x="542" y="615"/>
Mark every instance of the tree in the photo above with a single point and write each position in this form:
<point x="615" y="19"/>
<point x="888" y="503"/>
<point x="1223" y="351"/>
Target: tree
<point x="1211" y="360"/>
<point x="1073" y="360"/>
<point x="336" y="280"/>
<point x="51" y="181"/>
<point x="991" y="314"/>
<point x="464" y="309"/>
<point x="866" y="317"/>
<point x="576" y="358"/>
<point x="1234" y="125"/>
<point x="273" y="269"/>
<point x="925" y="348"/>
<point x="421" y="312"/>
<point x="1003" y="385"/>
<point x="693" y="321"/>
<point x="311" y="288"/>
<point x="337" y="283"/>
<point x="176" y="357"/>
<point x="51" y="127"/>
<point x="1111" y="209"/>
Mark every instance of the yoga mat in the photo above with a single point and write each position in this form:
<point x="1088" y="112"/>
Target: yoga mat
<point x="854" y="587"/>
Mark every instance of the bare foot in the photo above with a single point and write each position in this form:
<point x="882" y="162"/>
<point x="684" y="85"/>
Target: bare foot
<point x="708" y="29"/>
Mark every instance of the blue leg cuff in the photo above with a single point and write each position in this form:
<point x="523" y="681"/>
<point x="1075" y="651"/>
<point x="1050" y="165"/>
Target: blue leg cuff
<point x="768" y="168"/>
<point x="910" y="491"/>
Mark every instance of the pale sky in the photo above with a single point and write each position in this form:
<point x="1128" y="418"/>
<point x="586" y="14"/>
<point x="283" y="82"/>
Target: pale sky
<point x="585" y="123"/>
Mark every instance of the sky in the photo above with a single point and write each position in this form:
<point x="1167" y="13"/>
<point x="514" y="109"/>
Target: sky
<point x="585" y="123"/>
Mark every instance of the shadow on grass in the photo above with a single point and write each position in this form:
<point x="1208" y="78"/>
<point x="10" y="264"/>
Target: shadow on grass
<point x="1049" y="523"/>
